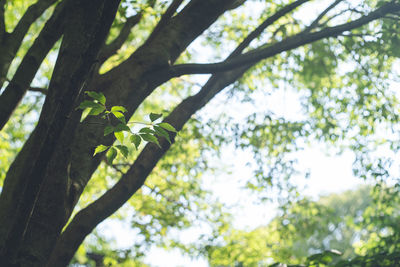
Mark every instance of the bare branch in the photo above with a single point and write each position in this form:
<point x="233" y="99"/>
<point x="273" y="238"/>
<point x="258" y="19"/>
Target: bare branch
<point x="316" y="22"/>
<point x="269" y="21"/>
<point x="31" y="15"/>
<point x="285" y="45"/>
<point x="38" y="89"/>
<point x="116" y="44"/>
<point x="338" y="14"/>
<point x="31" y="62"/>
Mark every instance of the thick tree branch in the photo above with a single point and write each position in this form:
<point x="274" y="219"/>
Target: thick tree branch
<point x="170" y="41"/>
<point x="88" y="218"/>
<point x="285" y="45"/>
<point x="166" y="17"/>
<point x="122" y="86"/>
<point x="71" y="239"/>
<point x="31" y="15"/>
<point x="110" y="49"/>
<point x="87" y="26"/>
<point x="11" y="42"/>
<point x="2" y="21"/>
<point x="30" y="64"/>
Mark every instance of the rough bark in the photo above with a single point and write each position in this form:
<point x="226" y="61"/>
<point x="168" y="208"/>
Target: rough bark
<point x="88" y="24"/>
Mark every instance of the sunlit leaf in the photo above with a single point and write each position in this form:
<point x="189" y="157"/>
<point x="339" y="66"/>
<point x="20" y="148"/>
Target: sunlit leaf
<point x="85" y="113"/>
<point x="147" y="131"/>
<point x="119" y="136"/>
<point x="118" y="108"/>
<point x="167" y="126"/>
<point x="97" y="96"/>
<point x="150" y="138"/>
<point x="99" y="149"/>
<point x="119" y="116"/>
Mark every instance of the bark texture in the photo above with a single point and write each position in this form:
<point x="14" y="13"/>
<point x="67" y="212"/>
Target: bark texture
<point x="87" y="26"/>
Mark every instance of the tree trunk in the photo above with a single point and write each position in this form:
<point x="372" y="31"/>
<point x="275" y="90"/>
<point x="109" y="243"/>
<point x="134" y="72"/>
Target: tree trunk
<point x="88" y="24"/>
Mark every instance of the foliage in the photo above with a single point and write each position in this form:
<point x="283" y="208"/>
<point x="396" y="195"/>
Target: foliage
<point x="96" y="127"/>
<point x="97" y="106"/>
<point x="337" y="230"/>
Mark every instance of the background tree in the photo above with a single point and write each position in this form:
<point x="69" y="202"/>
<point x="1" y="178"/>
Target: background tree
<point x="63" y="49"/>
<point x="306" y="227"/>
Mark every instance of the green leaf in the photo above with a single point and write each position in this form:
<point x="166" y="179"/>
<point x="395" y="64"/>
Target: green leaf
<point x="167" y="126"/>
<point x="99" y="149"/>
<point x="123" y="149"/>
<point x="136" y="140"/>
<point x="154" y="116"/>
<point x="109" y="129"/>
<point x="118" y="108"/>
<point x="85" y="113"/>
<point x="97" y="110"/>
<point x="119" y="136"/>
<point x="119" y="116"/>
<point x="150" y="138"/>
<point x="147" y="131"/>
<point x="122" y="127"/>
<point x="97" y="96"/>
<point x="161" y="132"/>
<point x="111" y="154"/>
<point x="88" y="104"/>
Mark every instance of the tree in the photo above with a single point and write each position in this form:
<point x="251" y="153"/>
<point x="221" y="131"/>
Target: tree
<point x="351" y="224"/>
<point x="45" y="180"/>
<point x="307" y="227"/>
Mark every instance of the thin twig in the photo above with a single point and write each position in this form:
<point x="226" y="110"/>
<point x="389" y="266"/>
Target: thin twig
<point x="38" y="89"/>
<point x="315" y="23"/>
